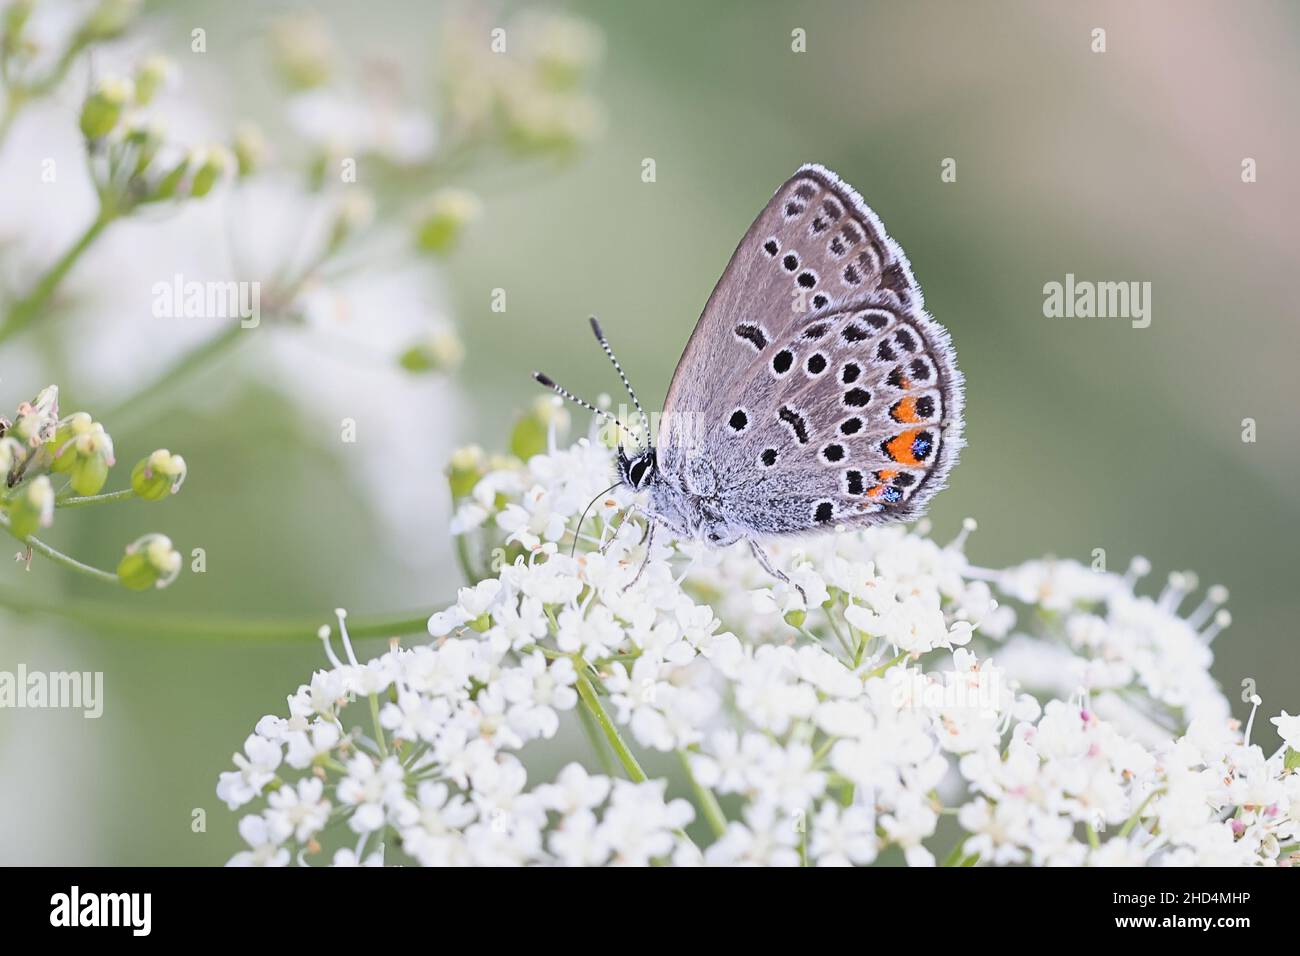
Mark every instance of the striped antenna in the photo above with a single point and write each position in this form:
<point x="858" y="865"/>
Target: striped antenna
<point x="645" y="420"/>
<point x="563" y="392"/>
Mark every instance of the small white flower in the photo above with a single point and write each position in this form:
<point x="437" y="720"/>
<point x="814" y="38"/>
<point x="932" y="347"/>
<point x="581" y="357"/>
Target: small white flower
<point x="1288" y="728"/>
<point x="264" y="849"/>
<point x="372" y="788"/>
<point x="257" y="765"/>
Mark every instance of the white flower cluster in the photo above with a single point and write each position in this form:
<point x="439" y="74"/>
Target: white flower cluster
<point x="1076" y="723"/>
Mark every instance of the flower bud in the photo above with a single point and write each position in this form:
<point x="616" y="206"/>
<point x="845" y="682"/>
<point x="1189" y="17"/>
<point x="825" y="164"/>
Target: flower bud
<point x="443" y="218"/>
<point x="530" y="434"/>
<point x="81" y="448"/>
<point x="303" y="51"/>
<point x="151" y="562"/>
<point x="210" y="165"/>
<point x="795" y="617"/>
<point x="151" y="76"/>
<point x="75" y="425"/>
<point x="441" y="351"/>
<point x="159" y="475"/>
<point x="107" y="20"/>
<point x="33" y="508"/>
<point x="563" y="48"/>
<point x="92" y="456"/>
<point x="170" y="183"/>
<point x="15" y="18"/>
<point x="250" y="148"/>
<point x="466" y="467"/>
<point x="11" y="453"/>
<point x="37" y="420"/>
<point x="103" y="107"/>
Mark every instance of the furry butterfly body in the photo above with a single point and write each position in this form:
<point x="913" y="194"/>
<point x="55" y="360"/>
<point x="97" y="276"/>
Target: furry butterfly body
<point x="815" y="390"/>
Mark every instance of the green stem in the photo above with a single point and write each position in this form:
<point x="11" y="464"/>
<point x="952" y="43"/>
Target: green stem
<point x="58" y="557"/>
<point x="1093" y="841"/>
<point x="705" y="797"/>
<point x="603" y="756"/>
<point x="954" y="858"/>
<point x="106" y="618"/>
<point x="1131" y="822"/>
<point x="22" y="312"/>
<point x="88" y="500"/>
<point x="13" y="105"/>
<point x="588" y="695"/>
<point x="144" y="402"/>
<point x="880" y="671"/>
<point x="379" y="728"/>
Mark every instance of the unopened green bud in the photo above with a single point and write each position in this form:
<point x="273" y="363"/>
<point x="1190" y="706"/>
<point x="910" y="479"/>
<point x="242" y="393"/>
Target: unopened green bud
<point x="151" y="562"/>
<point x="170" y="183"/>
<point x="795" y="618"/>
<point x="441" y="351"/>
<point x="70" y="428"/>
<point x="15" y="18"/>
<point x="303" y="51"/>
<point x="107" y="20"/>
<point x="466" y="467"/>
<point x="564" y="48"/>
<point x="103" y="107"/>
<point x="38" y="419"/>
<point x="210" y="165"/>
<point x="530" y="434"/>
<point x="442" y="220"/>
<point x="159" y="475"/>
<point x="151" y="76"/>
<point x="11" y="453"/>
<point x="33" y="508"/>
<point x="250" y="148"/>
<point x="83" y="450"/>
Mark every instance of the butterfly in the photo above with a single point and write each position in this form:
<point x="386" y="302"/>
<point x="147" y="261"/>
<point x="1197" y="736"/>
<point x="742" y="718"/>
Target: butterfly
<point x="815" y="392"/>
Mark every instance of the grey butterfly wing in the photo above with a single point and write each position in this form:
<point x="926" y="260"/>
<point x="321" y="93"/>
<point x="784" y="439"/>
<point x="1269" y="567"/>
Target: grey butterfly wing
<point x="851" y="418"/>
<point x="817" y="280"/>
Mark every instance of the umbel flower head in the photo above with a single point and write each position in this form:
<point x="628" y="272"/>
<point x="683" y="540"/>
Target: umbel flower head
<point x="1056" y="714"/>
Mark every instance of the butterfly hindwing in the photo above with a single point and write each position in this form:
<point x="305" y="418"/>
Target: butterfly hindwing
<point x="815" y="387"/>
<point x="849" y="418"/>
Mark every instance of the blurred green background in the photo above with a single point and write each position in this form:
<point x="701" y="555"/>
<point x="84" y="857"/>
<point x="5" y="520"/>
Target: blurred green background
<point x="1083" y="433"/>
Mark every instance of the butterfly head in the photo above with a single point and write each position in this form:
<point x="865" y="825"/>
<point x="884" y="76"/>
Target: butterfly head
<point x="638" y="470"/>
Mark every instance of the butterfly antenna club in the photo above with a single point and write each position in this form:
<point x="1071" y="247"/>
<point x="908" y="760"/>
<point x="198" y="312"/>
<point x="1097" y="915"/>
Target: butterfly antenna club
<point x="548" y="382"/>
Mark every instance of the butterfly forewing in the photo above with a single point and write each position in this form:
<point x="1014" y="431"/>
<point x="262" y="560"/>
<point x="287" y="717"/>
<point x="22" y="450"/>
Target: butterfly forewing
<point x="815" y="390"/>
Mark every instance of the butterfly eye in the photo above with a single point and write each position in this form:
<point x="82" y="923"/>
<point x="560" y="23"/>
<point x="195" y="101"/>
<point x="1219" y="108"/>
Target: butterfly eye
<point x="637" y="472"/>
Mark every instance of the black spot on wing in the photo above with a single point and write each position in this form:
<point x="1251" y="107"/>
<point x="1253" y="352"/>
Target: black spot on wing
<point x="796" y="423"/>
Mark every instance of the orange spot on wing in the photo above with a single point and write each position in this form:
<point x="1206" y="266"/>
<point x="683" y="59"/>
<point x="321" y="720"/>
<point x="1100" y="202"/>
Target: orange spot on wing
<point x="904" y="410"/>
<point x="899" y="448"/>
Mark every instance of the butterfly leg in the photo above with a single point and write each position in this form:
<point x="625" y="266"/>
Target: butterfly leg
<point x="649" y="540"/>
<point x="777" y="573"/>
<point x="627" y="514"/>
